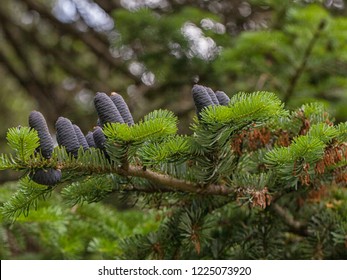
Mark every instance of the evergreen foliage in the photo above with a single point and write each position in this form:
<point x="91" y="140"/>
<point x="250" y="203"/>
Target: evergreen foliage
<point x="253" y="181"/>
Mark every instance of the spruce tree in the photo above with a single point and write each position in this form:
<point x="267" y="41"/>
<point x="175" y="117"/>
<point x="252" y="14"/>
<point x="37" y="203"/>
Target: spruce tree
<point x="252" y="181"/>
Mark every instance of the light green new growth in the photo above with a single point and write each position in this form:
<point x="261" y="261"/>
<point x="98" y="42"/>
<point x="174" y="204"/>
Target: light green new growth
<point x="23" y="141"/>
<point x="157" y="124"/>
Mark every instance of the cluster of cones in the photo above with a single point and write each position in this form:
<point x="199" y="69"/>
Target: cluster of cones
<point x="110" y="109"/>
<point x="205" y="96"/>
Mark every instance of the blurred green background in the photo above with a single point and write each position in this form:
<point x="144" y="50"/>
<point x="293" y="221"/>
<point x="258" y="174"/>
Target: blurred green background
<point x="56" y="54"/>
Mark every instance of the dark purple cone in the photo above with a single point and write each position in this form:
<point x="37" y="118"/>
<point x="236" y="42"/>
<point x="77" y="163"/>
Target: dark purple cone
<point x="212" y="95"/>
<point x="90" y="139"/>
<point x="81" y="139"/>
<point x="49" y="176"/>
<point x="222" y="98"/>
<point x="38" y="122"/>
<point x="122" y="108"/>
<point x="66" y="135"/>
<point x="201" y="98"/>
<point x="106" y="110"/>
<point x="99" y="138"/>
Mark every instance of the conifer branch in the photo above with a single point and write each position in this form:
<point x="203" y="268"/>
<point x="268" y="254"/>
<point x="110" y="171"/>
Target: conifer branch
<point x="86" y="165"/>
<point x="159" y="178"/>
<point x="174" y="183"/>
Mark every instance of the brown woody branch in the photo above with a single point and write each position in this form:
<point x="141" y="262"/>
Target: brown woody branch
<point x="174" y="183"/>
<point x="295" y="226"/>
<point x="166" y="182"/>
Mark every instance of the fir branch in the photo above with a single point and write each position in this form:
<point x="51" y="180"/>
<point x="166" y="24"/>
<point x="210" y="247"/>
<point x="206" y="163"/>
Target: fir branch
<point x="23" y="141"/>
<point x="342" y="132"/>
<point x="93" y="161"/>
<point x="174" y="183"/>
<point x="215" y="157"/>
<point x="24" y="199"/>
<point x="8" y="162"/>
<point x="326" y="133"/>
<point x="157" y="124"/>
<point x="174" y="149"/>
<point x="303" y="149"/>
<point x="92" y="189"/>
<point x="244" y="109"/>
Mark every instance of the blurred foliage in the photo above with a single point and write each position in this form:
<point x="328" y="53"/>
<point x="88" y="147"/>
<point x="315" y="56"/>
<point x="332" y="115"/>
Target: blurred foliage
<point x="272" y="58"/>
<point x="55" y="54"/>
<point x="55" y="231"/>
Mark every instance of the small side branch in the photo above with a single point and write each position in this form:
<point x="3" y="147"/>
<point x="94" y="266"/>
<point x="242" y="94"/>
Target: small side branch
<point x="295" y="226"/>
<point x="300" y="70"/>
